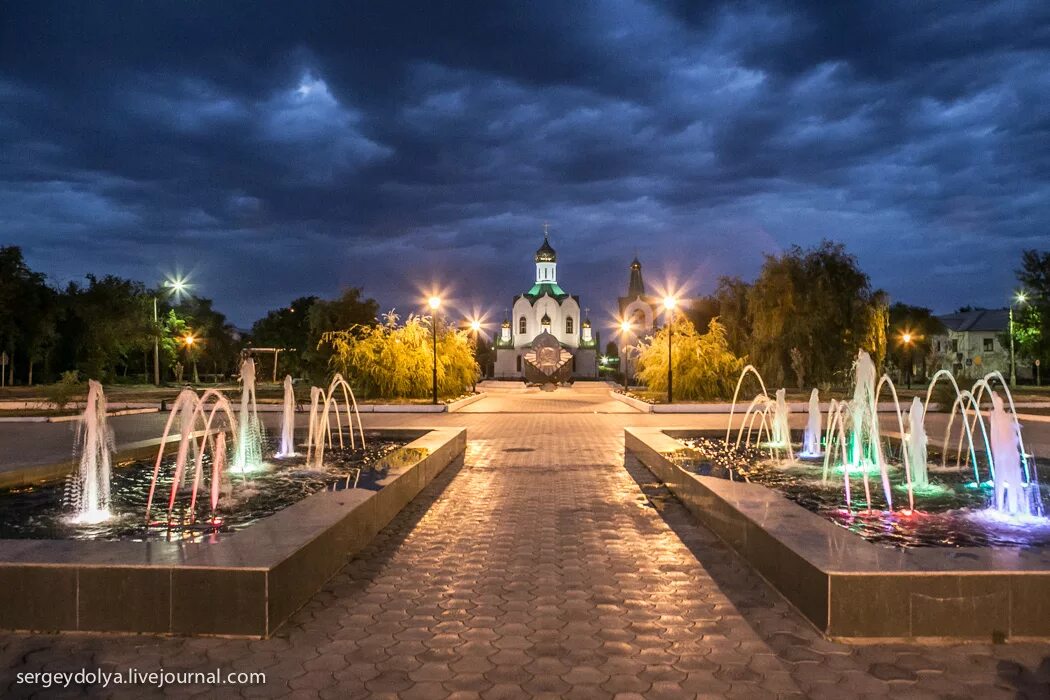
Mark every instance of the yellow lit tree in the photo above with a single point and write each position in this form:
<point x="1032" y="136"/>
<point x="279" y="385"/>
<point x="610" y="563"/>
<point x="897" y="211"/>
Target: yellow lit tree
<point x="704" y="367"/>
<point x="393" y="360"/>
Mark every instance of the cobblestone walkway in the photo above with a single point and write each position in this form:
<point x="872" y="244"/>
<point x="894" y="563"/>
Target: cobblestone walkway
<point x="543" y="567"/>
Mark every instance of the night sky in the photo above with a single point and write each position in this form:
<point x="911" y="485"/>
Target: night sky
<point x="281" y="149"/>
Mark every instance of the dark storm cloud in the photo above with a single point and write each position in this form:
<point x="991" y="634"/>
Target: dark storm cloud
<point x="280" y="149"/>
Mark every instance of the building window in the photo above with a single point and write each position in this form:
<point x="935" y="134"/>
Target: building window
<point x="568" y="325"/>
<point x="955" y="345"/>
<point x="523" y="326"/>
<point x="989" y="344"/>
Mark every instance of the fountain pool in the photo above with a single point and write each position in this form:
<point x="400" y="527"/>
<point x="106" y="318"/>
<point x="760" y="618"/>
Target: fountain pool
<point x="952" y="510"/>
<point x="41" y="511"/>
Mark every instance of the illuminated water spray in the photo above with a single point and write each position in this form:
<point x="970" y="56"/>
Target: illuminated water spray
<point x="811" y="438"/>
<point x="88" y="491"/>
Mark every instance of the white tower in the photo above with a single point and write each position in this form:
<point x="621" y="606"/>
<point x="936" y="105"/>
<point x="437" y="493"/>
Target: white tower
<point x="546" y="263"/>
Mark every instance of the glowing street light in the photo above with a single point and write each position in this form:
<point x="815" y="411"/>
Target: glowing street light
<point x="475" y="327"/>
<point x="176" y="286"/>
<point x="434" y="302"/>
<point x="1020" y="298"/>
<point x="669" y="305"/>
<point x="906" y="341"/>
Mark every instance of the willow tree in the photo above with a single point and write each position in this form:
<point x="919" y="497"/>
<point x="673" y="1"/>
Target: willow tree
<point x="394" y="360"/>
<point x="817" y="303"/>
<point x="704" y="367"/>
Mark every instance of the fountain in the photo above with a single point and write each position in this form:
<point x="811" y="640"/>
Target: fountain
<point x="856" y="447"/>
<point x="88" y="489"/>
<point x="915" y="445"/>
<point x="196" y="416"/>
<point x="321" y="404"/>
<point x="288" y="421"/>
<point x="811" y="438"/>
<point x="781" y="426"/>
<point x="249" y="443"/>
<point x="1011" y="488"/>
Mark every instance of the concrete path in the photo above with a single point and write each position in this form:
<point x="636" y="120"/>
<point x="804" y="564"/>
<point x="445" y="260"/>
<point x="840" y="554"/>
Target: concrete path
<point x="515" y="397"/>
<point x="545" y="567"/>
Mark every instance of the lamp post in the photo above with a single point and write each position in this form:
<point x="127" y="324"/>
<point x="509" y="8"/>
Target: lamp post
<point x="625" y="329"/>
<point x="156" y="344"/>
<point x="434" y="303"/>
<point x="176" y="286"/>
<point x="1019" y="298"/>
<point x="669" y="304"/>
<point x="475" y="330"/>
<point x="188" y="341"/>
<point x="906" y="340"/>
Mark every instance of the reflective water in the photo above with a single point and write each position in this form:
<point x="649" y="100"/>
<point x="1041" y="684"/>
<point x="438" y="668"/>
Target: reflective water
<point x="40" y="512"/>
<point x="952" y="511"/>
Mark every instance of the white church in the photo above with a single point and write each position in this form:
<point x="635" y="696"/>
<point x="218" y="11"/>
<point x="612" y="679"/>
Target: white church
<point x="546" y="308"/>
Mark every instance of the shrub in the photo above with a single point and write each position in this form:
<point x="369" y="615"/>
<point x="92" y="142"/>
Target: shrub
<point x="62" y="392"/>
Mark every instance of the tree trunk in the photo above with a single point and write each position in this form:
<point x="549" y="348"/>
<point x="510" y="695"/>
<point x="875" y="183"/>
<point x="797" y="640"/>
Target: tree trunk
<point x="30" y="373"/>
<point x="11" y="365"/>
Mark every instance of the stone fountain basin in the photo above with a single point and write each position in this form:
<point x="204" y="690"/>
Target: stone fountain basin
<point x="246" y="584"/>
<point x="848" y="587"/>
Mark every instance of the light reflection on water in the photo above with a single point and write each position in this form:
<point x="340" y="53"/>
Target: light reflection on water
<point x="39" y="512"/>
<point x="951" y="512"/>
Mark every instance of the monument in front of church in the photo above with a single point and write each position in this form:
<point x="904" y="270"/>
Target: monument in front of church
<point x="543" y="319"/>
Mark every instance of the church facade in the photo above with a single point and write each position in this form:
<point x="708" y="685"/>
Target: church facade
<point x="545" y="309"/>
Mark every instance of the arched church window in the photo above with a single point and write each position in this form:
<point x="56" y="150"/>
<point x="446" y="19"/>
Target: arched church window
<point x="523" y="325"/>
<point x="568" y="324"/>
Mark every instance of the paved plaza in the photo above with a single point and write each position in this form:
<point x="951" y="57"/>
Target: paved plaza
<point x="543" y="566"/>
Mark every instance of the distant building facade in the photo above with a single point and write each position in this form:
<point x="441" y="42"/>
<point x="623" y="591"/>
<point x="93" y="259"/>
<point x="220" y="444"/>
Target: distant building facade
<point x="976" y="342"/>
<point x="545" y="309"/>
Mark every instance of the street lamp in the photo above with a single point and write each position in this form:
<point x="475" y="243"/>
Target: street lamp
<point x="177" y="286"/>
<point x="189" y="340"/>
<point x="1019" y="298"/>
<point x="625" y="330"/>
<point x="669" y="304"/>
<point x="906" y="340"/>
<point x="434" y="302"/>
<point x="475" y="330"/>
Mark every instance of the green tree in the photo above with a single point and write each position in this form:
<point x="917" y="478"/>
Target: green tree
<point x="348" y="310"/>
<point x="1032" y="319"/>
<point x="288" y="328"/>
<point x="815" y="301"/>
<point x="732" y="298"/>
<point x="105" y="324"/>
<point x="215" y="345"/>
<point x="920" y="326"/>
<point x="396" y="361"/>
<point x="27" y="314"/>
<point x="704" y="367"/>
